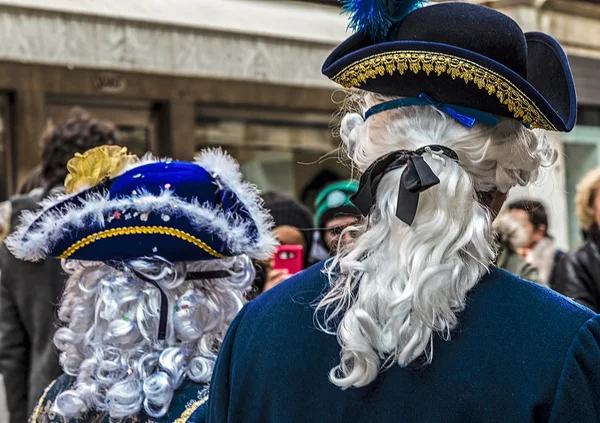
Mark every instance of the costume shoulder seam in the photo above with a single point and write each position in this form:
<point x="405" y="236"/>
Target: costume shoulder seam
<point x="584" y="325"/>
<point x="193" y="407"/>
<point x="40" y="403"/>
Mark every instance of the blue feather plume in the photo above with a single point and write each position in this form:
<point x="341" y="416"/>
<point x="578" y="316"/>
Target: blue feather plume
<point x="376" y="17"/>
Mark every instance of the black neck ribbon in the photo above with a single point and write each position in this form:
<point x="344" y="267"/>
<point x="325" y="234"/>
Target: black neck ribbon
<point x="164" y="301"/>
<point x="416" y="178"/>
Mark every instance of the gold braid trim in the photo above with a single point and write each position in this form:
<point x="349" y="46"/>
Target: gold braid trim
<point x="358" y="73"/>
<point x="190" y="410"/>
<point x="139" y="230"/>
<point x="38" y="406"/>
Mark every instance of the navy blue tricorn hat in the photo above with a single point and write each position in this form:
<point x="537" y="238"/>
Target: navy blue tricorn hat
<point x="120" y="208"/>
<point x="456" y="53"/>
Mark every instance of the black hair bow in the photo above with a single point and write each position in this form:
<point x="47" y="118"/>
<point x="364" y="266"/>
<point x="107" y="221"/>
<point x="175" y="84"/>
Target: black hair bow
<point x="416" y="178"/>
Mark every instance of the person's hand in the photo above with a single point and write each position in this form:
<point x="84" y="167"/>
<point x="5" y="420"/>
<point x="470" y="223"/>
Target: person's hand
<point x="275" y="277"/>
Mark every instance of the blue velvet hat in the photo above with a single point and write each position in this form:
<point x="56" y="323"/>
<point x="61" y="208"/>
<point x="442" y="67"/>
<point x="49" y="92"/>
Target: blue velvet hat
<point x="122" y="208"/>
<point x="457" y="54"/>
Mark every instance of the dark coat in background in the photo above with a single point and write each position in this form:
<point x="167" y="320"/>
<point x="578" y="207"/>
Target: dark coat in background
<point x="29" y="294"/>
<point x="578" y="273"/>
<point x="521" y="353"/>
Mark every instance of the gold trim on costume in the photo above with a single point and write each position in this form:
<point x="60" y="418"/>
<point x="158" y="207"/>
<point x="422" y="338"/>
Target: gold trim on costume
<point x="356" y="74"/>
<point x="190" y="410"/>
<point x="38" y="406"/>
<point x="139" y="230"/>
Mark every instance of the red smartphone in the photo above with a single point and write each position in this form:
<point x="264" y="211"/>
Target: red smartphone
<point x="289" y="257"/>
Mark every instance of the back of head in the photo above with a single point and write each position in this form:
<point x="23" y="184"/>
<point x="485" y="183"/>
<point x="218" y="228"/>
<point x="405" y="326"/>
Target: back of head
<point x="535" y="210"/>
<point x="399" y="285"/>
<point x="288" y="212"/>
<point x="510" y="231"/>
<point x="110" y="342"/>
<point x="78" y="133"/>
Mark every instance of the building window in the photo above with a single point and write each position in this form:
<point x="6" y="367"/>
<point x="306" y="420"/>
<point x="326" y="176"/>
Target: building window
<point x="588" y="115"/>
<point x="275" y="149"/>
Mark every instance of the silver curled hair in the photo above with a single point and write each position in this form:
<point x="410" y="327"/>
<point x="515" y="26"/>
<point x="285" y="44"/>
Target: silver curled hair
<point x="110" y="341"/>
<point x="397" y="286"/>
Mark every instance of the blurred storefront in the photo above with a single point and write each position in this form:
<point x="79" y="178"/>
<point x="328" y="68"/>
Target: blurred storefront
<point x="174" y="77"/>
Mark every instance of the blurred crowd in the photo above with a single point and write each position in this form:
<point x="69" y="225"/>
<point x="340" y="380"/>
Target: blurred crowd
<point x="307" y="233"/>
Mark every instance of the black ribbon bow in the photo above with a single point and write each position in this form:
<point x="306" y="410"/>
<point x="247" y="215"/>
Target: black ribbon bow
<point x="416" y="178"/>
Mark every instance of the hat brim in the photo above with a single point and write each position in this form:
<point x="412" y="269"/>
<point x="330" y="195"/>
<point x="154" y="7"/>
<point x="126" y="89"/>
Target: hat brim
<point x="454" y="75"/>
<point x="208" y="213"/>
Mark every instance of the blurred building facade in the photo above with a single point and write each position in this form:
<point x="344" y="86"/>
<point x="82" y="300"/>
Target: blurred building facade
<point x="181" y="75"/>
<point x="174" y="77"/>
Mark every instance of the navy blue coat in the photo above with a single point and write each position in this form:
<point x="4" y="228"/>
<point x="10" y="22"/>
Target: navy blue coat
<point x="521" y="353"/>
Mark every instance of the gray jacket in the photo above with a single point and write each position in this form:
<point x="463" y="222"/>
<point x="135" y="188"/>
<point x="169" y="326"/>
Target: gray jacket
<point x="29" y="294"/>
<point x="508" y="259"/>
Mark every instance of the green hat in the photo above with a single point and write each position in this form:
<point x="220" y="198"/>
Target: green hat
<point x="335" y="200"/>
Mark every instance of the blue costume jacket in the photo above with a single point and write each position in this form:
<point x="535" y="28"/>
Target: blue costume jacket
<point x="188" y="405"/>
<point x="521" y="353"/>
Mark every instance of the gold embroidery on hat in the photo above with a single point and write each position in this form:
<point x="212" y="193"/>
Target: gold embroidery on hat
<point x="139" y="230"/>
<point x="358" y="73"/>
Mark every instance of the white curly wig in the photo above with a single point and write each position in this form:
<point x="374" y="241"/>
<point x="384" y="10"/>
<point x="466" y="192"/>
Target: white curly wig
<point x="111" y="345"/>
<point x="397" y="286"/>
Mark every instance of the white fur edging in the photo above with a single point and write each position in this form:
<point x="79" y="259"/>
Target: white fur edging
<point x="33" y="243"/>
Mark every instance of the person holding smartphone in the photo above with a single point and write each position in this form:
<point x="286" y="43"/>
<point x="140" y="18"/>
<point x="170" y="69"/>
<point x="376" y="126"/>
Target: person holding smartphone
<point x="294" y="231"/>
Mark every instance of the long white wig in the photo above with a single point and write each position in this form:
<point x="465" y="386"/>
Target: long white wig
<point x="397" y="286"/>
<point x="111" y="345"/>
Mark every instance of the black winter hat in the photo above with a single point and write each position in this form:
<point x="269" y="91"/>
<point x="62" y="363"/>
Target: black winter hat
<point x="288" y="212"/>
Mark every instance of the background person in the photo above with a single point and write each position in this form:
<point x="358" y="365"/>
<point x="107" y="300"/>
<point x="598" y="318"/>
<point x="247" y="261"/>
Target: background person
<point x="293" y="226"/>
<point x="159" y="262"/>
<point x="540" y="250"/>
<point x="29" y="291"/>
<point x="579" y="270"/>
<point x="512" y="235"/>
<point x="335" y="212"/>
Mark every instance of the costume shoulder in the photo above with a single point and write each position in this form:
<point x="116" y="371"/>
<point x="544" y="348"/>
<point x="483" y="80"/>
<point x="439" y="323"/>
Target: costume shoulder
<point x="188" y="406"/>
<point x="532" y="347"/>
<point x="578" y="392"/>
<point x="287" y="307"/>
<point x="44" y="409"/>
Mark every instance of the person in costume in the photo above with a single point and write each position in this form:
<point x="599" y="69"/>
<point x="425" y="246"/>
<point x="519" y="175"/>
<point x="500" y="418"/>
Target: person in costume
<point x="413" y="322"/>
<point x="159" y="257"/>
<point x="334" y="212"/>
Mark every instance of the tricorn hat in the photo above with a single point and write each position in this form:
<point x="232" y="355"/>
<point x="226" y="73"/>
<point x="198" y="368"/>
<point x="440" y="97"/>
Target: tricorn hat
<point x="460" y="54"/>
<point x="119" y="207"/>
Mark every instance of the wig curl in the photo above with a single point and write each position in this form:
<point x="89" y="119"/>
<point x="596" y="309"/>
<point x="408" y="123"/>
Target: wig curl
<point x="110" y="341"/>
